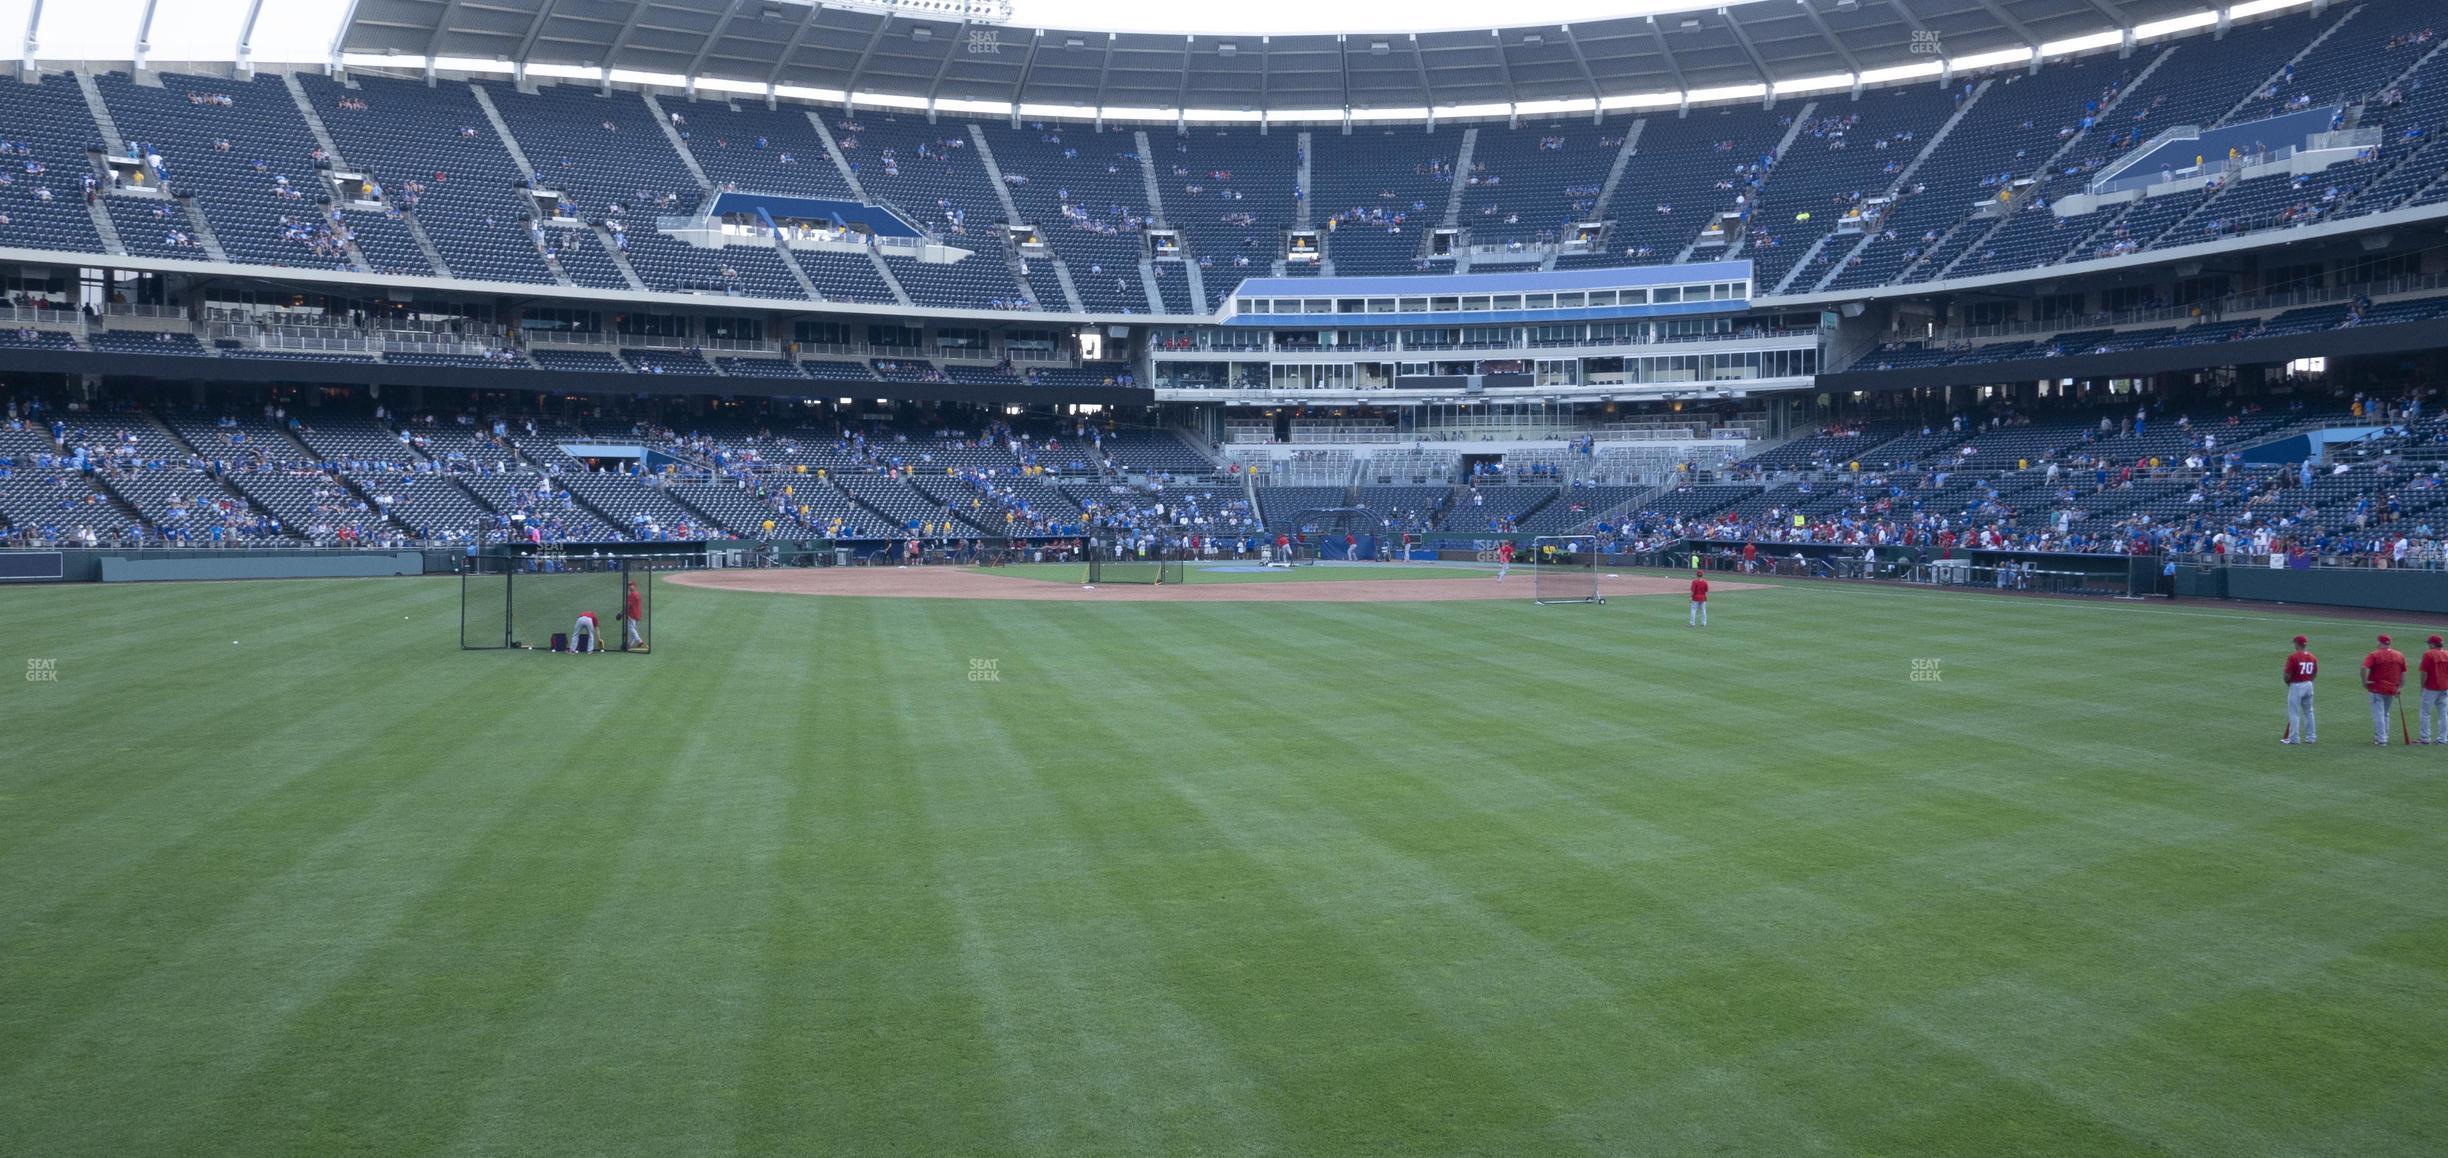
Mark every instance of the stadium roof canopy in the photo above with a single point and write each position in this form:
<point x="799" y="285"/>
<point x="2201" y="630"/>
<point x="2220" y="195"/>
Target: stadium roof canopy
<point x="988" y="57"/>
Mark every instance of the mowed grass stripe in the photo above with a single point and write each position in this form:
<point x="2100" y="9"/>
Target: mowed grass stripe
<point x="1306" y="1030"/>
<point x="1101" y="1057"/>
<point x="1432" y="931"/>
<point x="140" y="800"/>
<point x="871" y="1029"/>
<point x="124" y="680"/>
<point x="667" y="1073"/>
<point x="169" y="1027"/>
<point x="400" y="1054"/>
<point x="180" y="863"/>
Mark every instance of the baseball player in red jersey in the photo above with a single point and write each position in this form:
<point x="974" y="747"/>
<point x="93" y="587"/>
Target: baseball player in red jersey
<point x="1504" y="559"/>
<point x="2383" y="673"/>
<point x="632" y="610"/>
<point x="2301" y="669"/>
<point x="1699" y="603"/>
<point x="2434" y="694"/>
<point x="582" y="635"/>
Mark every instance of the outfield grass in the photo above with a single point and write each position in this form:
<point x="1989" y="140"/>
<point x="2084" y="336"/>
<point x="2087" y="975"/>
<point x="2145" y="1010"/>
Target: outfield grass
<point x="1291" y="878"/>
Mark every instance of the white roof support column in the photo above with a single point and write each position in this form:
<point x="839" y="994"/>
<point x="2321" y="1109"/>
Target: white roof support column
<point x="30" y="47"/>
<point x="535" y="29"/>
<point x="850" y="87"/>
<point x="1743" y="41"/>
<point x="960" y="36"/>
<point x="1672" y="66"/>
<point x="773" y="75"/>
<point x="1266" y="104"/>
<point x="1104" y="70"/>
<point x="245" y="56"/>
<point x="1588" y="77"/>
<point x="1512" y="98"/>
<point x="2015" y="26"/>
<point x="1181" y="96"/>
<point x="144" y="34"/>
<point x="1028" y="64"/>
<point x="722" y="24"/>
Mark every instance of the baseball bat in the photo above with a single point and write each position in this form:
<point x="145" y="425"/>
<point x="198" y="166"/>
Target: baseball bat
<point x="2404" y="733"/>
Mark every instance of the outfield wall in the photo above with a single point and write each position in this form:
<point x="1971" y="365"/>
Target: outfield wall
<point x="349" y="565"/>
<point x="2373" y="588"/>
<point x="124" y="564"/>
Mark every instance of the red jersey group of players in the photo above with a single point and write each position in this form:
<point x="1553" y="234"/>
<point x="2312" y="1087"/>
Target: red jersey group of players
<point x="2383" y="673"/>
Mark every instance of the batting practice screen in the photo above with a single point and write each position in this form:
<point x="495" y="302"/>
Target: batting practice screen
<point x="1564" y="569"/>
<point x="535" y="604"/>
<point x="1110" y="564"/>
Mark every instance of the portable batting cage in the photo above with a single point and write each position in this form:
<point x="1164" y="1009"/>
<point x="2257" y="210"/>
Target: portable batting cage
<point x="1564" y="569"/>
<point x="1152" y="564"/>
<point x="546" y="602"/>
<point x="1335" y="533"/>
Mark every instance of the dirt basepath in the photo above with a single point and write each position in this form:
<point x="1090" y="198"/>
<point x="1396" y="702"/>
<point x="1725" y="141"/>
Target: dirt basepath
<point x="962" y="583"/>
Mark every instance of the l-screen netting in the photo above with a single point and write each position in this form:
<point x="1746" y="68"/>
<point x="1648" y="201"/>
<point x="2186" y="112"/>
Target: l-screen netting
<point x="1129" y="564"/>
<point x="1564" y="569"/>
<point x="484" y="606"/>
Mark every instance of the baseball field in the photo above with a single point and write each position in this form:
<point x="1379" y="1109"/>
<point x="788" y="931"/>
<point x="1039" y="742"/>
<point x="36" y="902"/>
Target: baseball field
<point x="1851" y="871"/>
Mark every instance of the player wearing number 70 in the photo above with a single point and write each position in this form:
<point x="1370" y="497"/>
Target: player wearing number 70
<point x="2301" y="669"/>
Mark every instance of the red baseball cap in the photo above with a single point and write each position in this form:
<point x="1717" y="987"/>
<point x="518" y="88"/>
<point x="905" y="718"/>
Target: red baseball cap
<point x="2300" y="641"/>
<point x="2384" y="639"/>
<point x="2434" y="641"/>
